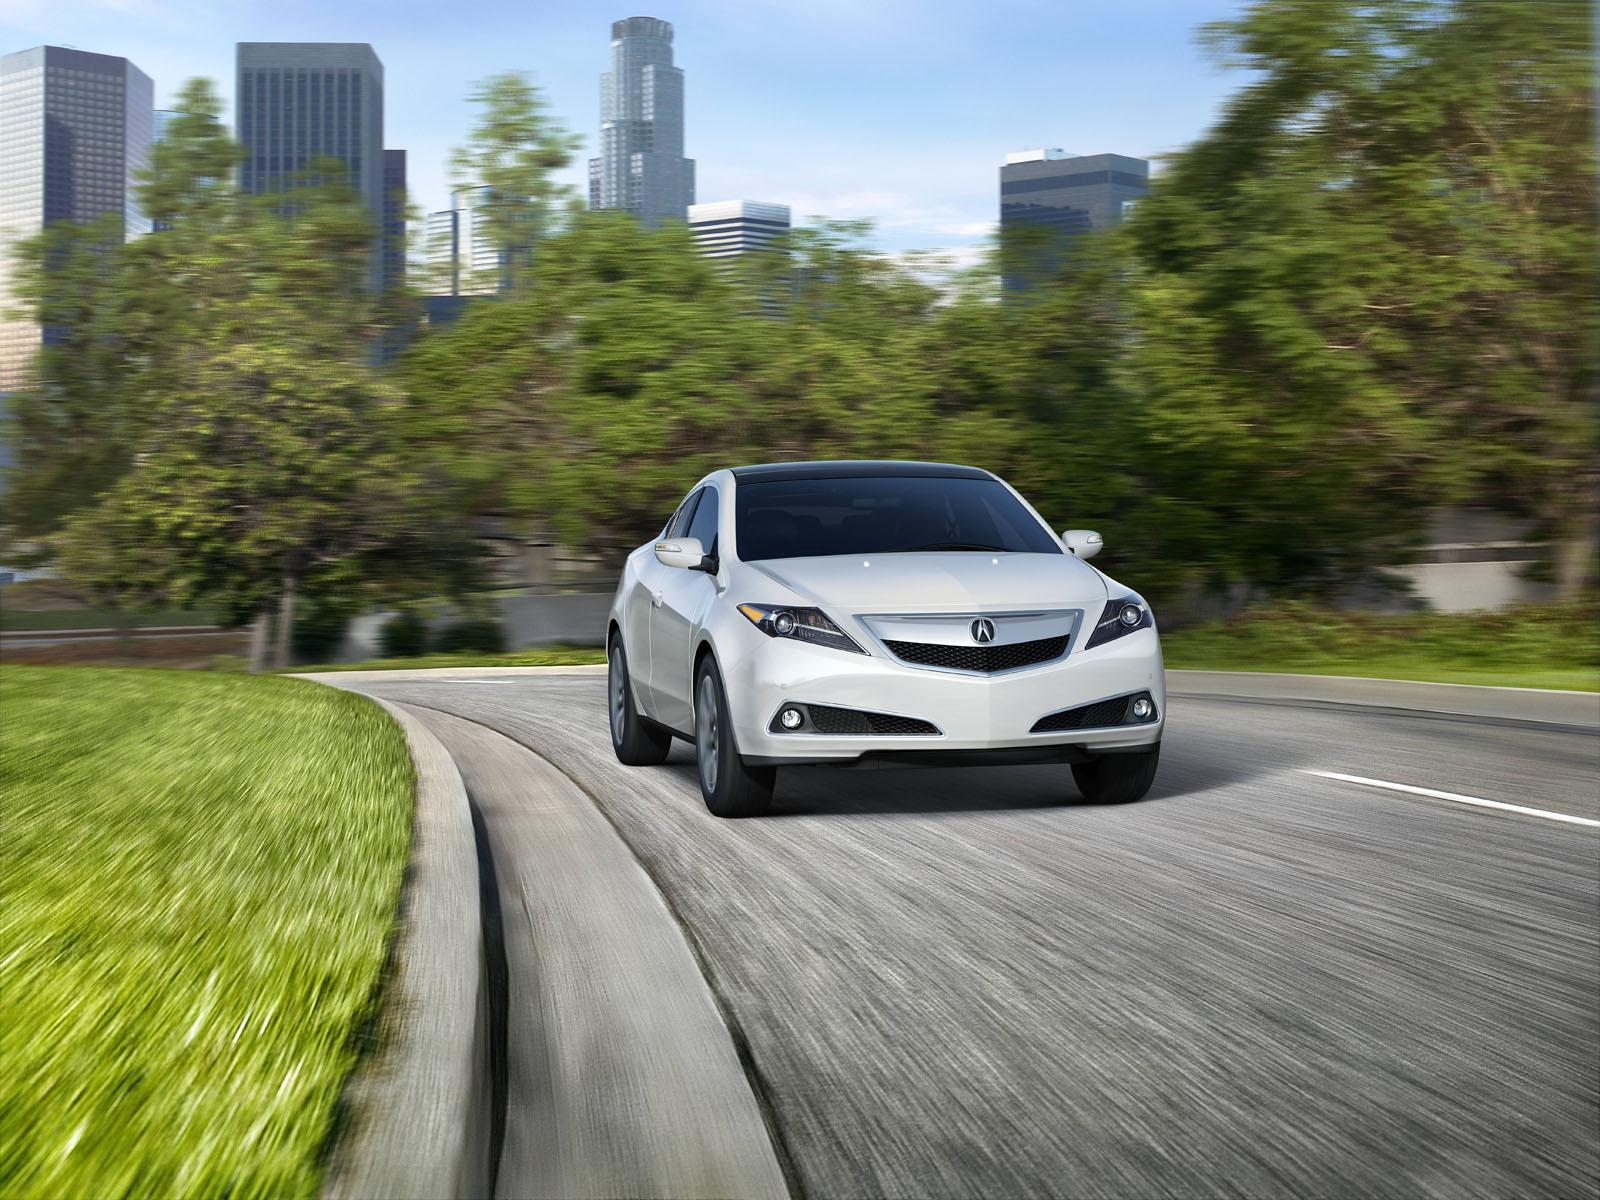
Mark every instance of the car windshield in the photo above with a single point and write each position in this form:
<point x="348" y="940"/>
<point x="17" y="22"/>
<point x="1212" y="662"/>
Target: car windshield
<point x="809" y="518"/>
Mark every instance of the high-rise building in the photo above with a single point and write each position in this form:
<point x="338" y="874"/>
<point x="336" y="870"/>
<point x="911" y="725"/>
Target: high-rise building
<point x="300" y="101"/>
<point x="74" y="127"/>
<point x="1063" y="195"/>
<point x="641" y="167"/>
<point x="394" y="218"/>
<point x="464" y="259"/>
<point x="726" y="229"/>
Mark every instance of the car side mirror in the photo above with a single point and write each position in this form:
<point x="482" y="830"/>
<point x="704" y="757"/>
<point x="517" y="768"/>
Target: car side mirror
<point x="1085" y="543"/>
<point x="685" y="552"/>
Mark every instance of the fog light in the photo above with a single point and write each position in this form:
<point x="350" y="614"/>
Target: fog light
<point x="1142" y="709"/>
<point x="783" y="623"/>
<point x="1130" y="615"/>
<point x="790" y="718"/>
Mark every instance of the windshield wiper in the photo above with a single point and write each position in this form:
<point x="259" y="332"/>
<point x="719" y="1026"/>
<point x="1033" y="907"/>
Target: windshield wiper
<point x="955" y="546"/>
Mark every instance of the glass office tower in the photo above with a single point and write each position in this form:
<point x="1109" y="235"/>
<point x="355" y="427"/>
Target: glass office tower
<point x="641" y="167"/>
<point x="300" y="101"/>
<point x="1048" y="197"/>
<point x="74" y="127"/>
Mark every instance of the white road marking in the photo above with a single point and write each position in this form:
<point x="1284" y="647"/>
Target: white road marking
<point x="1453" y="796"/>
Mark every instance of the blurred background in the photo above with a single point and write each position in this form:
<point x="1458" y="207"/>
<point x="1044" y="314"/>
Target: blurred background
<point x="1305" y="311"/>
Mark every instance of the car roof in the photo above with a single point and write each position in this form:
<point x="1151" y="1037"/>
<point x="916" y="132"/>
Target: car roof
<point x="862" y="469"/>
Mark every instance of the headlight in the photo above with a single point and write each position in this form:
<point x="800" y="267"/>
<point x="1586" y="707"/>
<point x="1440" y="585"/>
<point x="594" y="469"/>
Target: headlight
<point x="1121" y="615"/>
<point x="800" y="624"/>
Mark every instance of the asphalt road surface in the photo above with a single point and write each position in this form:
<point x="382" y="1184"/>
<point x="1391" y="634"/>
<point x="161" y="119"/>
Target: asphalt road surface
<point x="1258" y="981"/>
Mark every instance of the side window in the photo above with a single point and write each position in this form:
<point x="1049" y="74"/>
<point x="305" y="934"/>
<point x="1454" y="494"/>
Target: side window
<point x="704" y="523"/>
<point x="680" y="523"/>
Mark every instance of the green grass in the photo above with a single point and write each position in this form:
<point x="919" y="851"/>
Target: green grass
<point x="534" y="656"/>
<point x="1554" y="646"/>
<point x="200" y="876"/>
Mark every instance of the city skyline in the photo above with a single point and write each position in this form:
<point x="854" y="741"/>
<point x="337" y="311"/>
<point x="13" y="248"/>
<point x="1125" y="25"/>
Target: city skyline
<point x="855" y="132"/>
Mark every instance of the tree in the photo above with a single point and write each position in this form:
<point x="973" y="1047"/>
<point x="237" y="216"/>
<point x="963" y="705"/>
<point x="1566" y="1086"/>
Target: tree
<point x="268" y="463"/>
<point x="510" y="159"/>
<point x="244" y="448"/>
<point x="112" y="308"/>
<point x="1370" y="289"/>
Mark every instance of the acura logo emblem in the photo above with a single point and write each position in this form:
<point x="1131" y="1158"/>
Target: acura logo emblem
<point x="983" y="631"/>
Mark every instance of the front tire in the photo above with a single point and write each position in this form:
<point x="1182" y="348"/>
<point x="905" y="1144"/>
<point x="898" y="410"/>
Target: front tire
<point x="1117" y="778"/>
<point x="636" y="743"/>
<point x="728" y="786"/>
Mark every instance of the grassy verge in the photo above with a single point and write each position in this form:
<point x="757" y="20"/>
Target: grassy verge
<point x="534" y="656"/>
<point x="201" y="875"/>
<point x="1555" y="646"/>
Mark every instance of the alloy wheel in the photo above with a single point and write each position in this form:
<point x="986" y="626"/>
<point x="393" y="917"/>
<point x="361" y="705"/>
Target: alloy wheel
<point x="619" y="694"/>
<point x="707" y="733"/>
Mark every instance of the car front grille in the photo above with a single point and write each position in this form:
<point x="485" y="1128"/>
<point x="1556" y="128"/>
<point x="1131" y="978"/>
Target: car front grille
<point x="984" y="659"/>
<point x="1087" y="716"/>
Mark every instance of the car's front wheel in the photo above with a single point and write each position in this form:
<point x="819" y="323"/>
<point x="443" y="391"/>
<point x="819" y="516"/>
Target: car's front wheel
<point x="729" y="787"/>
<point x="637" y="742"/>
<point x="1117" y="778"/>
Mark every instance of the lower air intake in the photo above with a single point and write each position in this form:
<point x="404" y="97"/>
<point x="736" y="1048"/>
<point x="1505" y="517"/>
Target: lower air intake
<point x="850" y="722"/>
<point x="1093" y="716"/>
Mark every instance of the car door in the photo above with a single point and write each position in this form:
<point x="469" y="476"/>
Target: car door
<point x="640" y="606"/>
<point x="685" y="597"/>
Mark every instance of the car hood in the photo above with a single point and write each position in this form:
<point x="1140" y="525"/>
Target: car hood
<point x="947" y="581"/>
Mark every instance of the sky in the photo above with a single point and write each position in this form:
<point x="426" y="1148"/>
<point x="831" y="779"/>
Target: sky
<point x="896" y="110"/>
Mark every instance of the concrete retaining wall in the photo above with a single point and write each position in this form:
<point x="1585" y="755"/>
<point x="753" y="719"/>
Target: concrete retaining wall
<point x="569" y="619"/>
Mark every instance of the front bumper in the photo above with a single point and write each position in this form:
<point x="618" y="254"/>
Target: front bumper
<point x="972" y="713"/>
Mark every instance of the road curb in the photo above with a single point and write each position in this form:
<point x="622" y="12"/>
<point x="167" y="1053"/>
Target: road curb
<point x="1576" y="710"/>
<point x="421" y="1107"/>
<point x="630" y="1080"/>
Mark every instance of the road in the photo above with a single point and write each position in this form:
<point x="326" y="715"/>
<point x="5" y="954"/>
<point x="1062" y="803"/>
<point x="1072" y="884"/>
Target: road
<point x="1257" y="981"/>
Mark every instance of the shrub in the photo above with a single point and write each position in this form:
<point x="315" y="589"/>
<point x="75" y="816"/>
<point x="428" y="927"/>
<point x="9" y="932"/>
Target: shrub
<point x="318" y="631"/>
<point x="481" y="635"/>
<point x="404" y="635"/>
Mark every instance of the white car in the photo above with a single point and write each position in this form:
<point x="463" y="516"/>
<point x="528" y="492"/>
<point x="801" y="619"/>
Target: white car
<point x="876" y="613"/>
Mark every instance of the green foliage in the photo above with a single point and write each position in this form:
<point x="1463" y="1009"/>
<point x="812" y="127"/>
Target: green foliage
<point x="404" y="635"/>
<point x="1371" y="287"/>
<point x="231" y="441"/>
<point x="478" y="635"/>
<point x="630" y="366"/>
<point x="201" y="874"/>
<point x="1368" y="291"/>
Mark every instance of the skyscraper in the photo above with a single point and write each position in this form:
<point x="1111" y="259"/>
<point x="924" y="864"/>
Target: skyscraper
<point x="728" y="228"/>
<point x="1062" y="195"/>
<point x="394" y="218"/>
<point x="299" y="101"/>
<point x="463" y="259"/>
<point x="641" y="167"/>
<point x="74" y="126"/>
